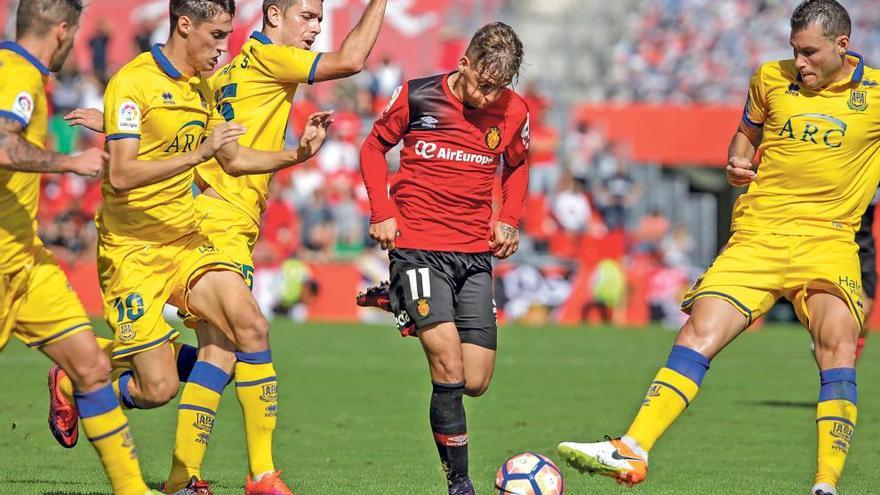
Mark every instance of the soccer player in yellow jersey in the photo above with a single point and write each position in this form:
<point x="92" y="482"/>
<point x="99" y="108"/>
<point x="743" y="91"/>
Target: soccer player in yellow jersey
<point x="256" y="89"/>
<point x="814" y="121"/>
<point x="37" y="304"/>
<point x="150" y="248"/>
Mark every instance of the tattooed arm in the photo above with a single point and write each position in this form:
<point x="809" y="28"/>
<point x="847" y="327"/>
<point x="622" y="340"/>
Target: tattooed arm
<point x="18" y="154"/>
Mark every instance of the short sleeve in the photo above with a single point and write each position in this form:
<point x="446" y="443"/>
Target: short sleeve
<point x="518" y="150"/>
<point x="288" y="64"/>
<point x="394" y="121"/>
<point x="755" y="110"/>
<point x="123" y="109"/>
<point x="18" y="97"/>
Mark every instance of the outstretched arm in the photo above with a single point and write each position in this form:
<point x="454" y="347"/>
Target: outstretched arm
<point x="239" y="160"/>
<point x="352" y="55"/>
<point x="18" y="154"/>
<point x="126" y="172"/>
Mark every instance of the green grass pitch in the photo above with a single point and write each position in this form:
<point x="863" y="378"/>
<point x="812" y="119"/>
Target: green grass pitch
<point x="354" y="400"/>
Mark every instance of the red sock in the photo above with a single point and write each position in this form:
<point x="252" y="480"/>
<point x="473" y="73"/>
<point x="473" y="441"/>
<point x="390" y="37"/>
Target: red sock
<point x="860" y="346"/>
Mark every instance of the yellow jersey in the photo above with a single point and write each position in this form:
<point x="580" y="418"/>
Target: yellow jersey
<point x="150" y="100"/>
<point x="23" y="100"/>
<point x="820" y="153"/>
<point x="256" y="90"/>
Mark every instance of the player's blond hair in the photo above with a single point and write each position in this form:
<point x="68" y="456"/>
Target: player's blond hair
<point x="496" y="51"/>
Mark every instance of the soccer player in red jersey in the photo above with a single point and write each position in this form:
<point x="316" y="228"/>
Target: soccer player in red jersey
<point x="456" y="129"/>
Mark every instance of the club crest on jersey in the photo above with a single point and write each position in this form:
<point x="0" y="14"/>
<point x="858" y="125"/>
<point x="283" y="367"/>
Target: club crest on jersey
<point x="858" y="100"/>
<point x="126" y="333"/>
<point x="423" y="307"/>
<point x="393" y="98"/>
<point x="493" y="137"/>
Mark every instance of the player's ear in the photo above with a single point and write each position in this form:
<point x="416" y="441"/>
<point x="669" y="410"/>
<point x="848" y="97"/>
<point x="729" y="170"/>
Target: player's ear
<point x="184" y="25"/>
<point x="463" y="63"/>
<point x="842" y="44"/>
<point x="60" y="32"/>
<point x="273" y="16"/>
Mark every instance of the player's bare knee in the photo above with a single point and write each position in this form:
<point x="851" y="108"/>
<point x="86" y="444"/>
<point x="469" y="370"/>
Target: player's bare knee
<point x="836" y="353"/>
<point x="158" y="392"/>
<point x="252" y="332"/>
<point x="90" y="373"/>
<point x="695" y="332"/>
<point x="448" y="370"/>
<point x="476" y="389"/>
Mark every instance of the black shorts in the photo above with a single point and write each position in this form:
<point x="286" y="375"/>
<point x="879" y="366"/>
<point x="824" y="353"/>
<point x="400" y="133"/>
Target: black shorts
<point x="429" y="287"/>
<point x="868" y="252"/>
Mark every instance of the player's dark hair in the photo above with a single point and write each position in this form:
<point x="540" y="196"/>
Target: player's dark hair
<point x="36" y="17"/>
<point x="828" y="14"/>
<point x="199" y="11"/>
<point x="496" y="50"/>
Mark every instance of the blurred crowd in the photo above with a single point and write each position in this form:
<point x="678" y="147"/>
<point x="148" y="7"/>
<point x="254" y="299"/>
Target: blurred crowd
<point x="705" y="50"/>
<point x="580" y="209"/>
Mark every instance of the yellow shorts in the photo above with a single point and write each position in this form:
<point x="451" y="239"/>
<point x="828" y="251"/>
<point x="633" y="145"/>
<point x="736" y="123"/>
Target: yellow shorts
<point x="754" y="270"/>
<point x="139" y="279"/>
<point x="37" y="304"/>
<point x="231" y="230"/>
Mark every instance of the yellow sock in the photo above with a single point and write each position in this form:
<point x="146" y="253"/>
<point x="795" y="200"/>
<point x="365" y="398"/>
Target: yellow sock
<point x="106" y="427"/>
<point x="671" y="392"/>
<point x="119" y="379"/>
<point x="66" y="387"/>
<point x="668" y="396"/>
<point x="836" y="415"/>
<point x="256" y="387"/>
<point x="195" y="421"/>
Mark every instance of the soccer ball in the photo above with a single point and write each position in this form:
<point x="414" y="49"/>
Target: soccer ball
<point x="529" y="474"/>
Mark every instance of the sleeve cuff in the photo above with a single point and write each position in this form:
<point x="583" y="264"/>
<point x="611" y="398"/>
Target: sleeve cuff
<point x="749" y="122"/>
<point x="314" y="68"/>
<point x="14" y="116"/>
<point x="509" y="220"/>
<point x="114" y="137"/>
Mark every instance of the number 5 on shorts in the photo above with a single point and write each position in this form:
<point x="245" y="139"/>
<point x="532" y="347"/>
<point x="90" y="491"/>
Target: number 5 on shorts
<point x="413" y="283"/>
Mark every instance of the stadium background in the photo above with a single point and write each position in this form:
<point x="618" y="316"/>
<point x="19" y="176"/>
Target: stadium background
<point x="631" y="114"/>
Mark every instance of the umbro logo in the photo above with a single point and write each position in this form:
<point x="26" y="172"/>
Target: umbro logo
<point x="793" y="89"/>
<point x="429" y="122"/>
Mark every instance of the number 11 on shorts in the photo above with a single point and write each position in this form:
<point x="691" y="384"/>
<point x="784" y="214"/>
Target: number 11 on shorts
<point x="413" y="283"/>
